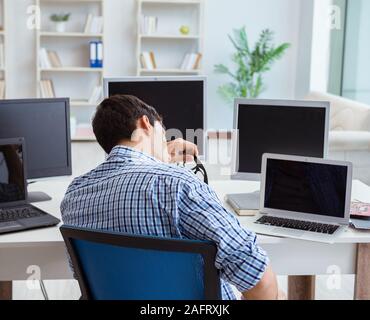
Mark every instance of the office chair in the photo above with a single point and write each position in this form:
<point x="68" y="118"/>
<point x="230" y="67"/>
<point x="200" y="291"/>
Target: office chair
<point x="115" y="266"/>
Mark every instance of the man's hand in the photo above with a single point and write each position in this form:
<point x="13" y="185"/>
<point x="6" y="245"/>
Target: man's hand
<point x="181" y="150"/>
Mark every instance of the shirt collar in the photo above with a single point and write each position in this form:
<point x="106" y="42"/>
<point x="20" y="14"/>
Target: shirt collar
<point x="124" y="152"/>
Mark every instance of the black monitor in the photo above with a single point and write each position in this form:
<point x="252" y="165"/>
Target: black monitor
<point x="298" y="128"/>
<point x="45" y="126"/>
<point x="179" y="100"/>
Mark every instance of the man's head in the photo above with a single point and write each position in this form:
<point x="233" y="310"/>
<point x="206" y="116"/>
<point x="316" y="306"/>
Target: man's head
<point x="126" y="120"/>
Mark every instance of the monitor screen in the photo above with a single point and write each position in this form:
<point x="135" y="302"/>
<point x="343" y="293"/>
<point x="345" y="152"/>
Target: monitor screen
<point x="12" y="183"/>
<point x="304" y="187"/>
<point x="298" y="131"/>
<point x="180" y="103"/>
<point x="44" y="123"/>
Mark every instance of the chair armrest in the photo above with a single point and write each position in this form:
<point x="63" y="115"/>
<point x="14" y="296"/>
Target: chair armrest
<point x="349" y="140"/>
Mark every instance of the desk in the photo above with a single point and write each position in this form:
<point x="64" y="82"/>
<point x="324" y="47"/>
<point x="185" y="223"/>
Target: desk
<point x="350" y="254"/>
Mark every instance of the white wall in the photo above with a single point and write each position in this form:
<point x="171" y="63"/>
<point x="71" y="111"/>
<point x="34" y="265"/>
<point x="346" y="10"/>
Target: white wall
<point x="221" y="16"/>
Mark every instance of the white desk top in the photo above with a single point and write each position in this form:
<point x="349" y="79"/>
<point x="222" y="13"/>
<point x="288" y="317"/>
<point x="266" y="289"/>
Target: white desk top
<point x="88" y="155"/>
<point x="57" y="189"/>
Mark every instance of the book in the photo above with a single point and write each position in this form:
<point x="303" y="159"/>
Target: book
<point x="360" y="210"/>
<point x="2" y="57"/>
<point x="152" y="58"/>
<point x="149" y="25"/>
<point x="147" y="62"/>
<point x="197" y="61"/>
<point x="94" y="24"/>
<point x="191" y="61"/>
<point x="44" y="59"/>
<point x="2" y="89"/>
<point x="96" y="95"/>
<point x="47" y="89"/>
<point x="88" y="23"/>
<point x="244" y="204"/>
<point x="54" y="59"/>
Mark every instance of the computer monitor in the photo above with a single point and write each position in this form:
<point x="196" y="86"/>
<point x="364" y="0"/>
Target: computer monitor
<point x="181" y="101"/>
<point x="298" y="128"/>
<point x="45" y="126"/>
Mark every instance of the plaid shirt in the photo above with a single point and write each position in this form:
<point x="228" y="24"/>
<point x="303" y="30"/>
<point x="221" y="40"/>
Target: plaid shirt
<point x="134" y="193"/>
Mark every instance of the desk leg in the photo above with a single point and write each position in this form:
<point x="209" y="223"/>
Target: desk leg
<point x="6" y="290"/>
<point x="362" y="282"/>
<point x="301" y="287"/>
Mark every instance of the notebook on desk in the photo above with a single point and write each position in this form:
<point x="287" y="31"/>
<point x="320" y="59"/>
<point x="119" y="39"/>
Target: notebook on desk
<point x="244" y="204"/>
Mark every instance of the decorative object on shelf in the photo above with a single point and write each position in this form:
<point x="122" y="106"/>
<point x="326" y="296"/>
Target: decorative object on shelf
<point x="149" y="25"/>
<point x="60" y="21"/>
<point x="94" y="24"/>
<point x="191" y="61"/>
<point x="185" y="30"/>
<point x="96" y="54"/>
<point x="251" y="64"/>
<point x="148" y="61"/>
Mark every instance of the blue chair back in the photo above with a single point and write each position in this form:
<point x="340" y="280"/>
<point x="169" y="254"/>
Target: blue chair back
<point x="116" y="266"/>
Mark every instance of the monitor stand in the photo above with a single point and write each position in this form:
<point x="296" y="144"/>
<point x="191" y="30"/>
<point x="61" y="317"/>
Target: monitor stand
<point x="37" y="196"/>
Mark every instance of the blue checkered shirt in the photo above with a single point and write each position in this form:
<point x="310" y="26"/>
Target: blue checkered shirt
<point x="134" y="193"/>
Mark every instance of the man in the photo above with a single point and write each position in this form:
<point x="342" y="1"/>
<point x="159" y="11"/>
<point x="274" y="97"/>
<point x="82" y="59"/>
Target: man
<point x="137" y="191"/>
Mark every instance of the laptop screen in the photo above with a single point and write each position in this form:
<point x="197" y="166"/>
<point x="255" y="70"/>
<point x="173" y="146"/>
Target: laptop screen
<point x="12" y="183"/>
<point x="303" y="187"/>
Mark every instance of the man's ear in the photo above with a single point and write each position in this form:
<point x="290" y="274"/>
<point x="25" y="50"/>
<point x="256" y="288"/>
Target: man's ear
<point x="144" y="124"/>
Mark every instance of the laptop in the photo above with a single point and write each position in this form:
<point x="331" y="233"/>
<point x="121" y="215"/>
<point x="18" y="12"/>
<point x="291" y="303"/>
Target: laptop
<point x="16" y="213"/>
<point x="304" y="198"/>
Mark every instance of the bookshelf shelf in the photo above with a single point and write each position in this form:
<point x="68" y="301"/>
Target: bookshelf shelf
<point x="83" y="139"/>
<point x="179" y="2"/>
<point x="169" y="71"/>
<point x="82" y="103"/>
<point x="72" y="69"/>
<point x="62" y="59"/>
<point x="169" y="37"/>
<point x="70" y="1"/>
<point x="159" y="41"/>
<point x="70" y="34"/>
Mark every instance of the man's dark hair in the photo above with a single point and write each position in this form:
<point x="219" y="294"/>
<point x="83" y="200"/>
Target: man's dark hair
<point x="115" y="119"/>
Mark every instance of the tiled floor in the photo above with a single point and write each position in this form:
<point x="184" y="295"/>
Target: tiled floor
<point x="69" y="290"/>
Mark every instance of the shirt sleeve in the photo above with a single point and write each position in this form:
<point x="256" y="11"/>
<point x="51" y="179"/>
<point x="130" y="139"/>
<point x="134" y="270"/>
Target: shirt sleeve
<point x="202" y="217"/>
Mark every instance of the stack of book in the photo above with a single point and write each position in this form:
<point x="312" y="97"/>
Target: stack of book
<point x="147" y="60"/>
<point x="2" y="58"/>
<point x="96" y="95"/>
<point x="47" y="89"/>
<point x="191" y="61"/>
<point x="94" y="24"/>
<point x="149" y="25"/>
<point x="2" y="89"/>
<point x="49" y="59"/>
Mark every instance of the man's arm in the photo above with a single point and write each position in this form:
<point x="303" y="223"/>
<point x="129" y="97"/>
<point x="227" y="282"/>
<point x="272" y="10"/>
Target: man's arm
<point x="266" y="289"/>
<point x="239" y="258"/>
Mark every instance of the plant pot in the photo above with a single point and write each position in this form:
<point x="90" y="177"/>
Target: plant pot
<point x="60" y="26"/>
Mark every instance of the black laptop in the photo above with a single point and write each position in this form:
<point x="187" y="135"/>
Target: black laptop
<point x="16" y="213"/>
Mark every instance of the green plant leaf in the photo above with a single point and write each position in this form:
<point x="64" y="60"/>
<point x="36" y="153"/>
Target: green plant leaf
<point x="250" y="65"/>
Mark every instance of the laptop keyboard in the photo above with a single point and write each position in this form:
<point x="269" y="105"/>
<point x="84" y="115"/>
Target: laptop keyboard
<point x="13" y="214"/>
<point x="298" y="225"/>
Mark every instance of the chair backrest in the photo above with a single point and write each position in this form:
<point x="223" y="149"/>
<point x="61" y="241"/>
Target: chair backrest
<point x="116" y="266"/>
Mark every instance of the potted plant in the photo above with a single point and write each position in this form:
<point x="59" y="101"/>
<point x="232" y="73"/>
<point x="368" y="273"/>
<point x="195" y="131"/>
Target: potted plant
<point x="60" y="21"/>
<point x="251" y="64"/>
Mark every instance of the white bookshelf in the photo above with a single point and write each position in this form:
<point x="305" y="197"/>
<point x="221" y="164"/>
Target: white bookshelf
<point x="167" y="43"/>
<point x="75" y="79"/>
<point x="3" y="41"/>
